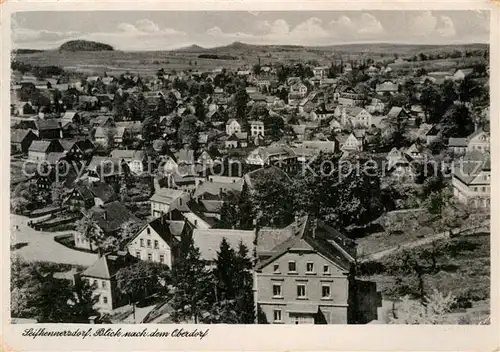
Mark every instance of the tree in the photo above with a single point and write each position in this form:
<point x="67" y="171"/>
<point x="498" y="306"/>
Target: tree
<point x="128" y="229"/>
<point x="468" y="89"/>
<point x="36" y="293"/>
<point x="229" y="216"/>
<point x="225" y="272"/>
<point x="457" y="122"/>
<point x="83" y="301"/>
<point x="199" y="108"/>
<point x="189" y="130"/>
<point x="89" y="229"/>
<point x="170" y="102"/>
<point x="434" y="310"/>
<point x="240" y="101"/>
<point x="57" y="194"/>
<point x="139" y="280"/>
<point x="275" y="126"/>
<point x="449" y="93"/>
<point x="272" y="203"/>
<point x="429" y="98"/>
<point x="192" y="292"/>
<point x="233" y="280"/>
<point x="256" y="69"/>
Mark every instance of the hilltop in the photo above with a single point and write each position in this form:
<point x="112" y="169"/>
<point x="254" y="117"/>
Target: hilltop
<point x="84" y="45"/>
<point x="191" y="48"/>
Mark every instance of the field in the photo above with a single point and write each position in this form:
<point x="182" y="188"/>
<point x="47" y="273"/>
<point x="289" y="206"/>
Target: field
<point x="144" y="62"/>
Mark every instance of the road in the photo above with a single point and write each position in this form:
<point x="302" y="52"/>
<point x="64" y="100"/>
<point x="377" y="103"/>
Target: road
<point x="41" y="246"/>
<point x="420" y="242"/>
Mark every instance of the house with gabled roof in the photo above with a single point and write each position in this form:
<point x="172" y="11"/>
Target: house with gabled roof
<point x="304" y="274"/>
<point x="165" y="199"/>
<point x="233" y="126"/>
<point x="135" y="159"/>
<point x="108" y="218"/>
<point x="479" y="140"/>
<point x="102" y="277"/>
<point x="461" y="73"/>
<point x="40" y="150"/>
<point x="155" y="242"/>
<point x="20" y="140"/>
<point x="471" y="179"/>
<point x="277" y="155"/>
<point x="86" y="196"/>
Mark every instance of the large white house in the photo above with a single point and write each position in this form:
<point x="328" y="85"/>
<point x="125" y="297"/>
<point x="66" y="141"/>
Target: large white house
<point x="154" y="242"/>
<point x="471" y="179"/>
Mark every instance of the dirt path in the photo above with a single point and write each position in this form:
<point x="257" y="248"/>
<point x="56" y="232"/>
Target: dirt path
<point x="420" y="242"/>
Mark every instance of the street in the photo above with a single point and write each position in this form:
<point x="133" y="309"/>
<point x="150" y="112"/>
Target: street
<point x="41" y="246"/>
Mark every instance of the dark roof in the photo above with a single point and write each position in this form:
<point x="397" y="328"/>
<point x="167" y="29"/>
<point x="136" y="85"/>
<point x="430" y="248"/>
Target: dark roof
<point x="266" y="173"/>
<point x="108" y="265"/>
<point x="18" y="136"/>
<point x="110" y="217"/>
<point x="103" y="191"/>
<point x="44" y="125"/>
<point x="163" y="228"/>
<point x="308" y="234"/>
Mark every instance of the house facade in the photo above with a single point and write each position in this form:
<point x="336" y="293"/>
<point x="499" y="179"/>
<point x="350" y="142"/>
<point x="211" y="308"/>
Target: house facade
<point x="471" y="180"/>
<point x="232" y="126"/>
<point x="102" y="277"/>
<point x="154" y="242"/>
<point x="303" y="278"/>
<point x="165" y="199"/>
<point x="256" y="128"/>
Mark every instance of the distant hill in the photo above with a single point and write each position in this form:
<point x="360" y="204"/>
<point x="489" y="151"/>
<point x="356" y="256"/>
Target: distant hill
<point x="26" y="51"/>
<point x="192" y="48"/>
<point x="84" y="45"/>
<point x="374" y="48"/>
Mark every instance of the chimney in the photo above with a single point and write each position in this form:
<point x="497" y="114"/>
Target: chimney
<point x="314" y="225"/>
<point x="92" y="319"/>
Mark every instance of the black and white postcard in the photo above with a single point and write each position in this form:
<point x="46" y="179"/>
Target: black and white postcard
<point x="206" y="177"/>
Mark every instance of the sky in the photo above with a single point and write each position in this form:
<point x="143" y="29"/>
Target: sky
<point x="166" y="30"/>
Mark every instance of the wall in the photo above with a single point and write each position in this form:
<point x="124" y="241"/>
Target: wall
<point x="337" y="280"/>
<point x="135" y="248"/>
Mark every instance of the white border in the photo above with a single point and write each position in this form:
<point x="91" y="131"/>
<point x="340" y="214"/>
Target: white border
<point x="255" y="337"/>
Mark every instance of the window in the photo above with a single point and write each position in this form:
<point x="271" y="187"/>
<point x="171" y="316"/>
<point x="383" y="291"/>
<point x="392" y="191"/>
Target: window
<point x="162" y="258"/>
<point x="326" y="269"/>
<point x="325" y="291"/>
<point x="156" y="244"/>
<point x="291" y="266"/>
<point x="105" y="300"/>
<point x="277" y="315"/>
<point x="276" y="268"/>
<point x="142" y="242"/>
<point x="148" y="231"/>
<point x="301" y="291"/>
<point x="94" y="283"/>
<point x="277" y="290"/>
<point x="310" y="267"/>
<point x="138" y="254"/>
<point x="103" y="284"/>
<point x="149" y="243"/>
<point x="150" y="257"/>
